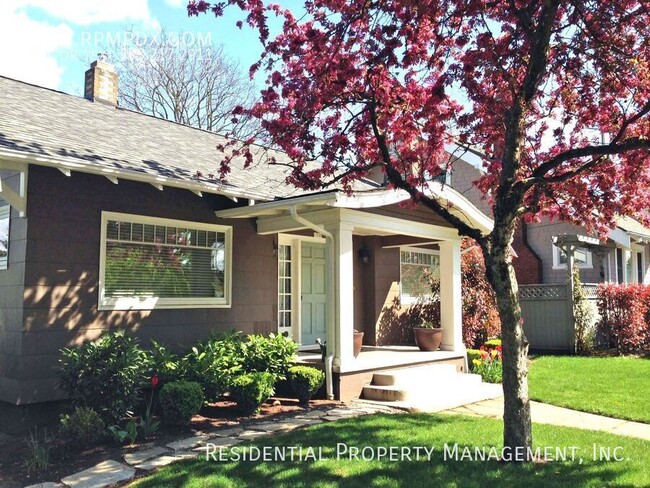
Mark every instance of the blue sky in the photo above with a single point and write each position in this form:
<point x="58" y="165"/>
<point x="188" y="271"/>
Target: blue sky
<point x="52" y="41"/>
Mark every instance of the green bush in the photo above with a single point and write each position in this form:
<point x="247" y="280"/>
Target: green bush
<point x="216" y="362"/>
<point x="105" y="375"/>
<point x="472" y="354"/>
<point x="305" y="381"/>
<point x="163" y="363"/>
<point x="273" y="354"/>
<point x="180" y="401"/>
<point x="251" y="390"/>
<point x="492" y="343"/>
<point x="213" y="364"/>
<point x="82" y="428"/>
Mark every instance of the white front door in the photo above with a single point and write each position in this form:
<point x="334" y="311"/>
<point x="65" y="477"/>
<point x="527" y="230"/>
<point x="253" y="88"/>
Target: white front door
<point x="312" y="293"/>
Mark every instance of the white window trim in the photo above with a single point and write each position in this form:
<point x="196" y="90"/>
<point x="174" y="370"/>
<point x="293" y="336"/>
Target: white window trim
<point x="558" y="265"/>
<point x="5" y="212"/>
<point x="151" y="303"/>
<point x="411" y="300"/>
<point x="636" y="249"/>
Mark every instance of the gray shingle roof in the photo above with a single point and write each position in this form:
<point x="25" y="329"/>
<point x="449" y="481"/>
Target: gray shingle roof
<point x="42" y="122"/>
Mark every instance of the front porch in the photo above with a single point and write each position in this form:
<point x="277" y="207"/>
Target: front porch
<point x="340" y="267"/>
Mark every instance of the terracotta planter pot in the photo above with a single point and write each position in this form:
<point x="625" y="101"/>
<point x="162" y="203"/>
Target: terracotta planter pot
<point x="358" y="342"/>
<point x="427" y="339"/>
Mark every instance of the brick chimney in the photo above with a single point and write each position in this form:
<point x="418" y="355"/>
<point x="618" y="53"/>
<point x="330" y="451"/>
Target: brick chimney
<point x="101" y="82"/>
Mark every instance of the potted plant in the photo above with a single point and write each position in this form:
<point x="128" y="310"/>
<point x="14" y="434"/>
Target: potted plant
<point x="428" y="336"/>
<point x="358" y="342"/>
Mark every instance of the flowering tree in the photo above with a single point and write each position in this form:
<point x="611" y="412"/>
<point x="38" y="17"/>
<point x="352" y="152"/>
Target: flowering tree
<point x="555" y="91"/>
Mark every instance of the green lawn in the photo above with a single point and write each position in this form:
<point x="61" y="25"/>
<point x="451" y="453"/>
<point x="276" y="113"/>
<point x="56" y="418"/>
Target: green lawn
<point x="414" y="430"/>
<point x="612" y="386"/>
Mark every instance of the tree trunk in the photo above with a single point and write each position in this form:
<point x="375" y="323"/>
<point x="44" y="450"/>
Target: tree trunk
<point x="517" y="435"/>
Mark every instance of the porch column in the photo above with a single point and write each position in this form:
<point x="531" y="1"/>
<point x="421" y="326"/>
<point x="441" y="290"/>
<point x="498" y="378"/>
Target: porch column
<point x="343" y="293"/>
<point x="451" y="304"/>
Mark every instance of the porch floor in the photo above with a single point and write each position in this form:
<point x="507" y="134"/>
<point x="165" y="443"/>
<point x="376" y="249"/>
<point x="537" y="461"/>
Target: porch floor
<point x="374" y="358"/>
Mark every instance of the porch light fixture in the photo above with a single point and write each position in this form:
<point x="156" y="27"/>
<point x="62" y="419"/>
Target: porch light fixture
<point x="364" y="255"/>
<point x="275" y="249"/>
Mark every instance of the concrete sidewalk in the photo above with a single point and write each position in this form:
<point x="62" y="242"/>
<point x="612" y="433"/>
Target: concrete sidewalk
<point x="543" y="413"/>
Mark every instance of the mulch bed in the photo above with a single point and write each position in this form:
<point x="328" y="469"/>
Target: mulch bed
<point x="65" y="461"/>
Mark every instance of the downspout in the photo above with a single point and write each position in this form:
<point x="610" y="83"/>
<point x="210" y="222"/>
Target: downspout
<point x="331" y="305"/>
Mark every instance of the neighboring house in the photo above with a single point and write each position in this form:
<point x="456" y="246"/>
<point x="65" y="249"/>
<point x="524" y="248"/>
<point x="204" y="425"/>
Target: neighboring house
<point x="623" y="258"/>
<point x="105" y="224"/>
<point x="541" y="266"/>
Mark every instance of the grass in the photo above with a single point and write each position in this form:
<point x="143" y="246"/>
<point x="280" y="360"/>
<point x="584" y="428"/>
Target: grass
<point x="612" y="386"/>
<point x="430" y="430"/>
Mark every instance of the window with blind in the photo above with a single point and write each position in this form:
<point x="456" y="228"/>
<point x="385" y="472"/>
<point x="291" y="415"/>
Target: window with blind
<point x="4" y="235"/>
<point x="151" y="263"/>
<point x="418" y="270"/>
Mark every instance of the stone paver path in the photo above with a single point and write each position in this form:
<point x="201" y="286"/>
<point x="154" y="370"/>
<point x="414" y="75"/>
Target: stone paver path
<point x="104" y="474"/>
<point x="110" y="472"/>
<point x="543" y="413"/>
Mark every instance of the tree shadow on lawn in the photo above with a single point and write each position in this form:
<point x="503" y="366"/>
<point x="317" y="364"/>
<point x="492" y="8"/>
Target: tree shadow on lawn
<point x="414" y="430"/>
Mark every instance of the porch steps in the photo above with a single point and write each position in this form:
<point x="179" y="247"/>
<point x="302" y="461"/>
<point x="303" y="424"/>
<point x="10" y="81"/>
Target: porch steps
<point x="428" y="388"/>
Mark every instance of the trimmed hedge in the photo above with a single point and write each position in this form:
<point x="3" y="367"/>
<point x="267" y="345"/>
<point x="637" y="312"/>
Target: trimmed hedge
<point x="305" y="382"/>
<point x="180" y="401"/>
<point x="251" y="390"/>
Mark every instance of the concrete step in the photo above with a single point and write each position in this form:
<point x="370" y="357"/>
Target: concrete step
<point x="409" y="376"/>
<point x="381" y="393"/>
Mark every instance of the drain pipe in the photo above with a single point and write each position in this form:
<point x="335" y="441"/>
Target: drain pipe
<point x="331" y="305"/>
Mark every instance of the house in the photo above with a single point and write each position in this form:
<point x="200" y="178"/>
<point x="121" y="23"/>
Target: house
<point x="623" y="258"/>
<point x="540" y="262"/>
<point x="111" y="219"/>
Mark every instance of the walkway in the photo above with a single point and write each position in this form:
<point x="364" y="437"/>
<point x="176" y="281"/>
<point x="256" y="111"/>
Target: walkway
<point x="113" y="472"/>
<point x="543" y="413"/>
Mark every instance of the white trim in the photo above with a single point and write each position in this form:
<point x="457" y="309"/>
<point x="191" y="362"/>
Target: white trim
<point x="8" y="157"/>
<point x="636" y="250"/>
<point x="556" y="259"/>
<point x="457" y="203"/>
<point x="5" y="213"/>
<point x="435" y="252"/>
<point x="150" y="303"/>
<point x="295" y="241"/>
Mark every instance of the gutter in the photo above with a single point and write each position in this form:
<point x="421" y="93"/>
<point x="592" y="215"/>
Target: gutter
<point x="331" y="305"/>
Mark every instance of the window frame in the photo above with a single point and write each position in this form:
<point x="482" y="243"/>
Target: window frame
<point x="411" y="300"/>
<point x="153" y="303"/>
<point x="558" y="265"/>
<point x="5" y="210"/>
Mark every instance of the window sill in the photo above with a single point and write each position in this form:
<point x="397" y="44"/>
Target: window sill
<point x="127" y="304"/>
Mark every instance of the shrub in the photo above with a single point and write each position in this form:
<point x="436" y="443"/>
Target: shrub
<point x="472" y="354"/>
<point x="83" y="427"/>
<point x="492" y="343"/>
<point x="585" y="337"/>
<point x="213" y="364"/>
<point x="216" y="362"/>
<point x="180" y="401"/>
<point x="251" y="390"/>
<point x="623" y="313"/>
<point x="105" y="375"/>
<point x="489" y="365"/>
<point x="480" y="315"/>
<point x="305" y="382"/>
<point x="163" y="363"/>
<point x="269" y="354"/>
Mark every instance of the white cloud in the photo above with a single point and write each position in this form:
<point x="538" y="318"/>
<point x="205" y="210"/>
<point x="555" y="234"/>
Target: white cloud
<point x="176" y="3"/>
<point x="86" y="12"/>
<point x="30" y="46"/>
